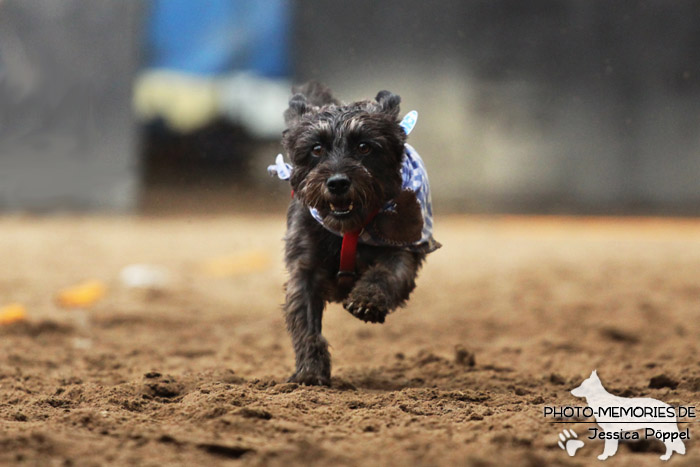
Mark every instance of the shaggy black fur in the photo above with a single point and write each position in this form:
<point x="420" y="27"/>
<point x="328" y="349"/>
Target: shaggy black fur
<point x="362" y="144"/>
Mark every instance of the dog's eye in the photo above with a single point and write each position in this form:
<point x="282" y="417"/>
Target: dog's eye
<point x="364" y="148"/>
<point x="317" y="150"/>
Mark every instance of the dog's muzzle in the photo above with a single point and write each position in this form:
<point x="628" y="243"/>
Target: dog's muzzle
<point x="338" y="184"/>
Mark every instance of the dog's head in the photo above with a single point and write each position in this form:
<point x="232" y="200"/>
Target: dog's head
<point x="590" y="386"/>
<point x="346" y="158"/>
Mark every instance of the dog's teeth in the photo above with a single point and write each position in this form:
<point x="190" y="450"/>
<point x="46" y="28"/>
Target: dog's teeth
<point x="350" y="207"/>
<point x="332" y="207"/>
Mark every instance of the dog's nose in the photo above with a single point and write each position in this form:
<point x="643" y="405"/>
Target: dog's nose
<point x="338" y="184"/>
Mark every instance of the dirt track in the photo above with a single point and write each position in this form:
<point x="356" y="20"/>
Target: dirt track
<point x="194" y="374"/>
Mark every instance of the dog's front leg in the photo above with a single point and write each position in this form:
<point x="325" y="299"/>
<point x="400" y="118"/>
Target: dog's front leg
<point x="609" y="450"/>
<point x="385" y="286"/>
<point x="303" y="313"/>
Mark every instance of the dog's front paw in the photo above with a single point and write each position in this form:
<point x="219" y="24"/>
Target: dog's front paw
<point x="368" y="303"/>
<point x="367" y="312"/>
<point x="310" y="378"/>
<point x="313" y="362"/>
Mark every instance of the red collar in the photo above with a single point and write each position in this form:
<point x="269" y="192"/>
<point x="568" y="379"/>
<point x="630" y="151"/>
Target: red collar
<point x="348" y="252"/>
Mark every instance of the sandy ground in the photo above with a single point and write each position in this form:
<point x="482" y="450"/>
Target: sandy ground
<point x="195" y="373"/>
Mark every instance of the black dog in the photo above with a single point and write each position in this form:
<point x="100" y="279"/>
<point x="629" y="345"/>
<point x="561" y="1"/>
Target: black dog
<point x="349" y="173"/>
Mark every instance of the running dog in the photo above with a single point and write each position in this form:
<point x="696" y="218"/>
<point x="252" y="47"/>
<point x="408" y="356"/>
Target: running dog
<point x="359" y="224"/>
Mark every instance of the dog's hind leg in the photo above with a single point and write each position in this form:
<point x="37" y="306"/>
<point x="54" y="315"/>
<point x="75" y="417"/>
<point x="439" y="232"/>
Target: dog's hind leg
<point x="679" y="446"/>
<point x="385" y="286"/>
<point x="303" y="313"/>
<point x="673" y="446"/>
<point x="667" y="455"/>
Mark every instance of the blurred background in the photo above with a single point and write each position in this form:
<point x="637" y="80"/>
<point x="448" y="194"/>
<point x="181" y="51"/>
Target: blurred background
<point x="535" y="106"/>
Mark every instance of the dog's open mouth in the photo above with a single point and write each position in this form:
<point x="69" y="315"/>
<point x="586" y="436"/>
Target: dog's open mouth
<point x="341" y="208"/>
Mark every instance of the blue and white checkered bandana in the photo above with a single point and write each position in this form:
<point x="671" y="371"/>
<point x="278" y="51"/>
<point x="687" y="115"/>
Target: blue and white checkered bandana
<point x="414" y="177"/>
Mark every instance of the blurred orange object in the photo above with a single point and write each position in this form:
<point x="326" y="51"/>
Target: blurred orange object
<point x="81" y="295"/>
<point x="12" y="313"/>
<point x="243" y="263"/>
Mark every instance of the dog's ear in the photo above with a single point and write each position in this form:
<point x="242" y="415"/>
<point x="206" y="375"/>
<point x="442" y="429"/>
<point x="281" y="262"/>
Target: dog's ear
<point x="307" y="97"/>
<point x="316" y="94"/>
<point x="298" y="106"/>
<point x="388" y="102"/>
